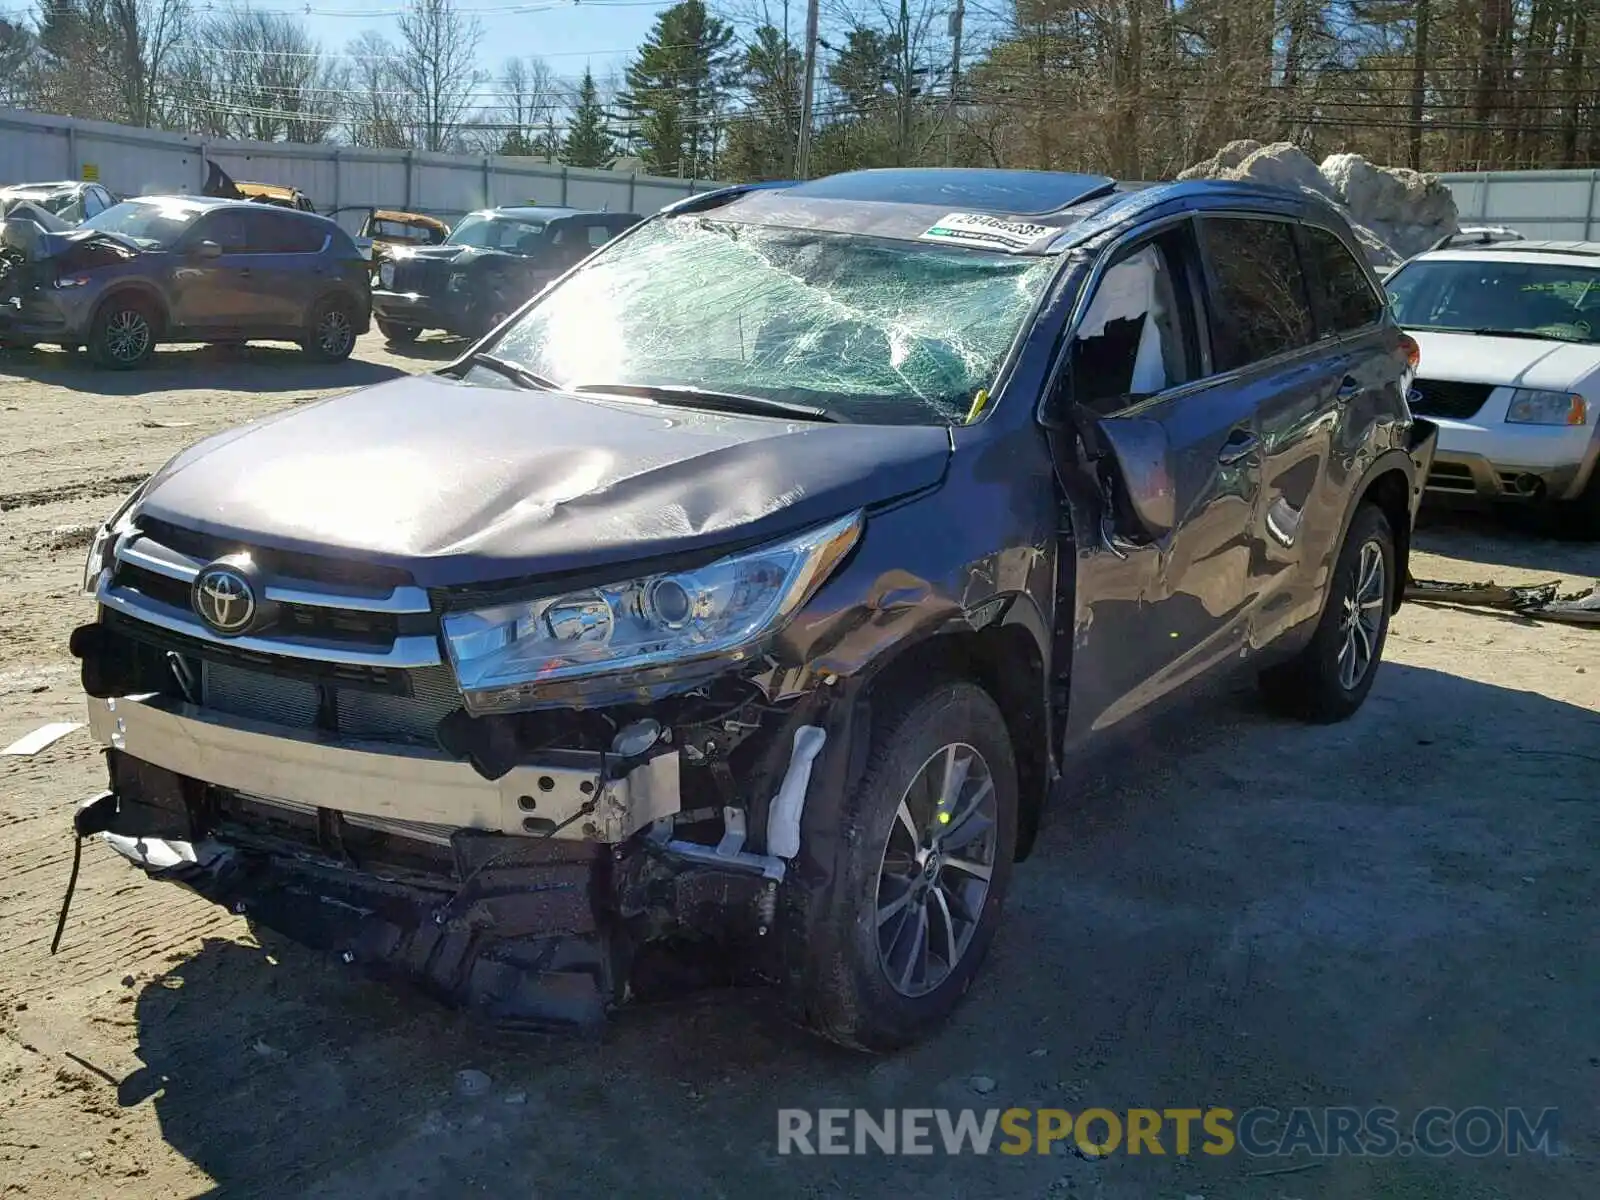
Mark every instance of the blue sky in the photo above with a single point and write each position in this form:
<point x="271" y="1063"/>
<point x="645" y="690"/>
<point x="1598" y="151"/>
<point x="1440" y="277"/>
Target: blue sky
<point x="567" y="33"/>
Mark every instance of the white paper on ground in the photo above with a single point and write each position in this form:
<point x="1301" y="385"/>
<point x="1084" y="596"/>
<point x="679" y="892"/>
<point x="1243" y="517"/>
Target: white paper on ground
<point x="32" y="743"/>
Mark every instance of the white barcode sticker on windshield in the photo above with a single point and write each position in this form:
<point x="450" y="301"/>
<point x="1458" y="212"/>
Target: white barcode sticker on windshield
<point x="994" y="233"/>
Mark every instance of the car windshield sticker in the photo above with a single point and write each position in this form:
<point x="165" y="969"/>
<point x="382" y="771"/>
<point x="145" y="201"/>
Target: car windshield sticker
<point x="994" y="233"/>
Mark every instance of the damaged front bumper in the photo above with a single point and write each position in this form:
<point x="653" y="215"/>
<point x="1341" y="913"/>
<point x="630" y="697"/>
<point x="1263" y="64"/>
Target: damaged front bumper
<point x="525" y="898"/>
<point x="570" y="794"/>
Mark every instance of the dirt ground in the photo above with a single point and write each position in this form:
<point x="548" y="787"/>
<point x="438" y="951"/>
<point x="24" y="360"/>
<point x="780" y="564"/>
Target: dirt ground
<point x="1228" y="909"/>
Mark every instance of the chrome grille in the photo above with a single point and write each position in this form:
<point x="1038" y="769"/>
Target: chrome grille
<point x="317" y="608"/>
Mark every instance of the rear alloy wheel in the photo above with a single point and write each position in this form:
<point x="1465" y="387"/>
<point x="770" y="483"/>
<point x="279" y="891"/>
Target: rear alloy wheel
<point x="332" y="336"/>
<point x="124" y="334"/>
<point x="1329" y="679"/>
<point x="914" y="863"/>
<point x="400" y="335"/>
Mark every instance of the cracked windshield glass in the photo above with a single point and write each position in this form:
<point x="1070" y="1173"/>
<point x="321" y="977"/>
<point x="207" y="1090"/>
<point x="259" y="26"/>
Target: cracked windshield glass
<point x="877" y="331"/>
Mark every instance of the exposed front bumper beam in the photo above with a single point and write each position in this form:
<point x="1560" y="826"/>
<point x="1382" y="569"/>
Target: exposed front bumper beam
<point x="519" y="942"/>
<point x="564" y="794"/>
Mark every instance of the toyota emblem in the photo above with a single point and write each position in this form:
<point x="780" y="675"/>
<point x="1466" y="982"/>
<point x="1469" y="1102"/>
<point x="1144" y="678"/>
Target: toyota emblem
<point x="224" y="596"/>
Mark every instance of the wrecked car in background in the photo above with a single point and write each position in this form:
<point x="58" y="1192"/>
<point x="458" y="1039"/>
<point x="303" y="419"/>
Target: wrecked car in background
<point x="491" y="263"/>
<point x="384" y="229"/>
<point x="183" y="269"/>
<point x="747" y="589"/>
<point x="55" y="206"/>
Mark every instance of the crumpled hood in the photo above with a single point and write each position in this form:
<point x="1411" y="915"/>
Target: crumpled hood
<point x="1508" y="362"/>
<point x="461" y="484"/>
<point x="36" y="243"/>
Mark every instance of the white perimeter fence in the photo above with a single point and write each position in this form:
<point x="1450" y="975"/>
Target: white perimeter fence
<point x="1564" y="205"/>
<point x="147" y="161"/>
<point x="1552" y="204"/>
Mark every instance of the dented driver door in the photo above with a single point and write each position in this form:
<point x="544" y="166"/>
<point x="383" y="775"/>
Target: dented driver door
<point x="1157" y="607"/>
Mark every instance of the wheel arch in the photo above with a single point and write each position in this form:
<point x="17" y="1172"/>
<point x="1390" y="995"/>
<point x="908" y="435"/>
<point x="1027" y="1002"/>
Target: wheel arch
<point x="1005" y="660"/>
<point x="135" y="290"/>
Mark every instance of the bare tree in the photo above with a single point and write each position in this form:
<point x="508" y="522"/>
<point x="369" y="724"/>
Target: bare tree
<point x="257" y="75"/>
<point x="376" y="112"/>
<point x="529" y="95"/>
<point x="107" y="59"/>
<point x="436" y="70"/>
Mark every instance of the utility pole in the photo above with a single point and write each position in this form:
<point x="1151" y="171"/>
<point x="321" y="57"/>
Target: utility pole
<point x="955" y="78"/>
<point x="802" y="165"/>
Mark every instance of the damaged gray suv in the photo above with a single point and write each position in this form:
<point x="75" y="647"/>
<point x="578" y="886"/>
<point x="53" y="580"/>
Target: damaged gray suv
<point x="740" y="599"/>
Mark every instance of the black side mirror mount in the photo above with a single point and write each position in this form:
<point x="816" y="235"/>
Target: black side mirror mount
<point x="1139" y="460"/>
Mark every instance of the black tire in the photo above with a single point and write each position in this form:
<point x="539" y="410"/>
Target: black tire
<point x="123" y="335"/>
<point x="331" y="332"/>
<point x="399" y="335"/>
<point x="1316" y="684"/>
<point x="839" y="978"/>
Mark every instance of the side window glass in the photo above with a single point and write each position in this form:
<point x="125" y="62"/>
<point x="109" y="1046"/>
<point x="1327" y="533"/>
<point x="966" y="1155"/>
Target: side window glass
<point x="1131" y="342"/>
<point x="1261" y="296"/>
<point x="599" y="235"/>
<point x="91" y="203"/>
<point x="1347" y="297"/>
<point x="226" y="229"/>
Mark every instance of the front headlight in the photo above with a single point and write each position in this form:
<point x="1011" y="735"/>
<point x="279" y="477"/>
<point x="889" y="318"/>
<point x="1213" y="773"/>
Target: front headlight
<point x="1532" y="407"/>
<point x="722" y="610"/>
<point x="105" y="540"/>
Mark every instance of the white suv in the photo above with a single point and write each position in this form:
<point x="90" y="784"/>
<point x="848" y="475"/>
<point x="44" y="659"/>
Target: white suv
<point x="1510" y="338"/>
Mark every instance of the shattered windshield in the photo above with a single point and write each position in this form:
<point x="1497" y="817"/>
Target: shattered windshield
<point x="880" y="331"/>
<point x="149" y="224"/>
<point x="1558" y="301"/>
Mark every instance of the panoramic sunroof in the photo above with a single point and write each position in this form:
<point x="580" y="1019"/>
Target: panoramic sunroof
<point x="1022" y="192"/>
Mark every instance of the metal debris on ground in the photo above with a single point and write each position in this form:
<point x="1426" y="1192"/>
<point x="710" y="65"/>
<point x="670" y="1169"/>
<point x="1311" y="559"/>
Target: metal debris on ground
<point x="1541" y="600"/>
<point x="45" y="735"/>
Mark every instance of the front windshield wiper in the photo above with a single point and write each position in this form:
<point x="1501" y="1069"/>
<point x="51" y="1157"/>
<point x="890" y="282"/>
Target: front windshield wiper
<point x="688" y="396"/>
<point x="1533" y="334"/>
<point x="514" y="371"/>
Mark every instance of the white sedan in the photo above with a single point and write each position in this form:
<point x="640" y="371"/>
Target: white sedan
<point x="1510" y="371"/>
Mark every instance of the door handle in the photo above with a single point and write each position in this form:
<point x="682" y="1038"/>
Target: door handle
<point x="1348" y="389"/>
<point x="244" y="272"/>
<point x="1237" y="448"/>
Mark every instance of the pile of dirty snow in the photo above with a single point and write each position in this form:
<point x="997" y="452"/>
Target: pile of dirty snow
<point x="1396" y="212"/>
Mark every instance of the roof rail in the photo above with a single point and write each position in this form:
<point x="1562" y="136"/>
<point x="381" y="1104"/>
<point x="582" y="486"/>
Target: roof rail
<point x="1478" y="235"/>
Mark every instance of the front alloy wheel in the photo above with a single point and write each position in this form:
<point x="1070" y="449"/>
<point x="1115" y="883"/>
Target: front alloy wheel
<point x="887" y="925"/>
<point x="124" y="336"/>
<point x="936" y="868"/>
